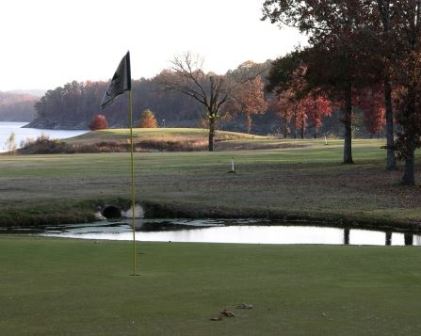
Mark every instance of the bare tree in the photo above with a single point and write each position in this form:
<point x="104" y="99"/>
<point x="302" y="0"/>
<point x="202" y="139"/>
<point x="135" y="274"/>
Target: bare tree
<point x="210" y="90"/>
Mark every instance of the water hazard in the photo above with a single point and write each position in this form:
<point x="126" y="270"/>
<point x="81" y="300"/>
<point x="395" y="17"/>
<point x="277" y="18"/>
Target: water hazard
<point x="240" y="231"/>
<point x="25" y="134"/>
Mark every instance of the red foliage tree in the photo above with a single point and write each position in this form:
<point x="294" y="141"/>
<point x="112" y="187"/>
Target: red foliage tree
<point x="299" y="112"/>
<point x="98" y="122"/>
<point x="371" y="101"/>
<point x="322" y="107"/>
<point x="284" y="106"/>
<point x="312" y="109"/>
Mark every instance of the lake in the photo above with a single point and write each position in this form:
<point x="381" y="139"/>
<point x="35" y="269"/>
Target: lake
<point x="244" y="232"/>
<point x="23" y="134"/>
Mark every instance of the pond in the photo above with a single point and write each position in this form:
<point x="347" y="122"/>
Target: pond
<point x="238" y="231"/>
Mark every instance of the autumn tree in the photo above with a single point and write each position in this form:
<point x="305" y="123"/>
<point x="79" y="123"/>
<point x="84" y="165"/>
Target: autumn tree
<point x="334" y="58"/>
<point x="98" y="122"/>
<point x="286" y="80"/>
<point x="147" y="120"/>
<point x="284" y="106"/>
<point x="371" y="101"/>
<point x="315" y="108"/>
<point x="296" y="102"/>
<point x="407" y="76"/>
<point x="248" y="98"/>
<point x="400" y="49"/>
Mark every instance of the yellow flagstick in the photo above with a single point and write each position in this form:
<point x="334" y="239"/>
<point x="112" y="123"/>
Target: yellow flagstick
<point x="133" y="193"/>
<point x="120" y="83"/>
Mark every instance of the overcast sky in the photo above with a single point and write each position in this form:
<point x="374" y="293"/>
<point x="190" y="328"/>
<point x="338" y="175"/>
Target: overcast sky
<point x="46" y="43"/>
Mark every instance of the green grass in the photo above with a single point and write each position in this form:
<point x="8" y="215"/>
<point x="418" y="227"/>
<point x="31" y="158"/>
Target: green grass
<point x="308" y="181"/>
<point x="70" y="287"/>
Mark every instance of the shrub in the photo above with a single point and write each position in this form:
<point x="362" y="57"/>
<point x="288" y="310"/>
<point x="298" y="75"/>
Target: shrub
<point x="98" y="122"/>
<point x="44" y="145"/>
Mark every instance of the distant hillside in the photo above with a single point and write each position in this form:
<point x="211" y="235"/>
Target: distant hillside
<point x="17" y="106"/>
<point x="31" y="92"/>
<point x="75" y="104"/>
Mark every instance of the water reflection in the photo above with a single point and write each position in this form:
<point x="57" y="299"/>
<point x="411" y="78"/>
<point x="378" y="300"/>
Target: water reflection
<point x="248" y="232"/>
<point x="347" y="232"/>
<point x="409" y="239"/>
<point x="388" y="238"/>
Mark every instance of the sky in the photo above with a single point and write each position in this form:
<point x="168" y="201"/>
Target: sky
<point x="47" y="43"/>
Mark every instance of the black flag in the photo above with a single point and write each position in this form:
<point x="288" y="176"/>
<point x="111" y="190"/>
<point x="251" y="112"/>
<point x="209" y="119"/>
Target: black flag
<point x="120" y="83"/>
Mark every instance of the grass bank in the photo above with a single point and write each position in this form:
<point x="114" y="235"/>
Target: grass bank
<point x="70" y="287"/>
<point x="302" y="181"/>
<point x="150" y="139"/>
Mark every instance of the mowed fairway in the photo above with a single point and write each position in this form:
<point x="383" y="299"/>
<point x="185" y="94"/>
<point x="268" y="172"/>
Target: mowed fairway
<point x="71" y="287"/>
<point x="305" y="179"/>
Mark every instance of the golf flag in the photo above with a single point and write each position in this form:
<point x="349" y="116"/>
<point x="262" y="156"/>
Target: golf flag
<point x="120" y="83"/>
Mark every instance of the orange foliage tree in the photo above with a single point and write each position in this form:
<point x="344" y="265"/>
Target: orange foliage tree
<point x="248" y="98"/>
<point x="147" y="120"/>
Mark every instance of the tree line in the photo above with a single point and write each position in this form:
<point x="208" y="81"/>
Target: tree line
<point x="250" y="107"/>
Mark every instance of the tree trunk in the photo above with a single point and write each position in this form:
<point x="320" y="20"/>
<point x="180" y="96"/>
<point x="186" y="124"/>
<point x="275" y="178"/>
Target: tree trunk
<point x="294" y="123"/>
<point x="390" y="140"/>
<point x="410" y="131"/>
<point x="248" y="123"/>
<point x="408" y="177"/>
<point x="302" y="131"/>
<point x="348" y="127"/>
<point x="211" y="134"/>
<point x="385" y="11"/>
<point x="285" y="128"/>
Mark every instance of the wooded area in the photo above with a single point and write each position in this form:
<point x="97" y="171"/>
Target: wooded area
<point x="359" y="49"/>
<point x="250" y="107"/>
